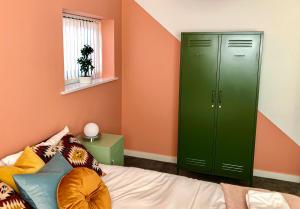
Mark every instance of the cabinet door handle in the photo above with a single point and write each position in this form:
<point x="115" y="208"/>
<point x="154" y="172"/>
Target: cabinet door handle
<point x="220" y="99"/>
<point x="213" y="95"/>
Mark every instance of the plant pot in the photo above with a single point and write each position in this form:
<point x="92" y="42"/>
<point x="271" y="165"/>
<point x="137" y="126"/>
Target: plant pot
<point x="85" y="80"/>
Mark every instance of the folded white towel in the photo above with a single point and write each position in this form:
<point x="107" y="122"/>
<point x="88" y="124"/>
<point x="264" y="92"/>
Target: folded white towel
<point x="265" y="200"/>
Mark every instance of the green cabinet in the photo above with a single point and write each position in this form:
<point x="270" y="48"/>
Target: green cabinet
<point x="109" y="149"/>
<point x="219" y="82"/>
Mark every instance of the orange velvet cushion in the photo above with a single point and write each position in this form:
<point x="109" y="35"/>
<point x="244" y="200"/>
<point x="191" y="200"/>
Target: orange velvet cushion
<point x="82" y="188"/>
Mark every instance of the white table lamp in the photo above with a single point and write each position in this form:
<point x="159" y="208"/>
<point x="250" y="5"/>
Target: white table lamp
<point x="91" y="131"/>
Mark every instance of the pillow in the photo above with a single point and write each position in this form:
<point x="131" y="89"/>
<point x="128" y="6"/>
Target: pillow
<point x="54" y="140"/>
<point x="39" y="189"/>
<point x="72" y="150"/>
<point x="2" y="163"/>
<point x="82" y="188"/>
<point x="11" y="159"/>
<point x="29" y="162"/>
<point x="9" y="199"/>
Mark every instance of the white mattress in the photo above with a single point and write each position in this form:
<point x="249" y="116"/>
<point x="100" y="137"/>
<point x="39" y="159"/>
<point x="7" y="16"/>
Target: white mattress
<point x="134" y="188"/>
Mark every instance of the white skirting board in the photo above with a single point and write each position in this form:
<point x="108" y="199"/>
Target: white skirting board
<point x="172" y="159"/>
<point x="278" y="176"/>
<point x="151" y="156"/>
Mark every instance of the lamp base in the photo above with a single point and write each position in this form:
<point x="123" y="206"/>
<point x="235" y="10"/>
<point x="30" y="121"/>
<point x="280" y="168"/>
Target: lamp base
<point x="91" y="139"/>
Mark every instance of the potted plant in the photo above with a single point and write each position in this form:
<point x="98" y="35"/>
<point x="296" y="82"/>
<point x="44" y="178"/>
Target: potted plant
<point x="86" y="65"/>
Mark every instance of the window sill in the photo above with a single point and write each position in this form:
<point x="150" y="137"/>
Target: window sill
<point x="78" y="86"/>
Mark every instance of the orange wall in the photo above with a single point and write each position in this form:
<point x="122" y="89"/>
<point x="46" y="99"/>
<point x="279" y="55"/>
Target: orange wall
<point x="275" y="151"/>
<point x="150" y="96"/>
<point x="150" y="90"/>
<point x="31" y="69"/>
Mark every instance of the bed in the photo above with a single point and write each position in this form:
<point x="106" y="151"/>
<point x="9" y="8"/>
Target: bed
<point x="135" y="188"/>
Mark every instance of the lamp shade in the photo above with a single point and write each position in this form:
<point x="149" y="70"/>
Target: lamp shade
<point x="91" y="130"/>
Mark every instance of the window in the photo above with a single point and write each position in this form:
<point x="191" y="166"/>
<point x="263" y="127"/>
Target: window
<point x="79" y="31"/>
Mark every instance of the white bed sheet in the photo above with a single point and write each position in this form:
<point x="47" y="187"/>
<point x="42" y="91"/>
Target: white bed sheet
<point x="135" y="188"/>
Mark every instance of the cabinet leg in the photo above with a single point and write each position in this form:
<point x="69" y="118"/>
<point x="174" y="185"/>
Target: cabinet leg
<point x="177" y="170"/>
<point x="250" y="182"/>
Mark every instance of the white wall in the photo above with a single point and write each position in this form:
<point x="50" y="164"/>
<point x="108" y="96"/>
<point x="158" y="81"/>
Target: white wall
<point x="280" y="20"/>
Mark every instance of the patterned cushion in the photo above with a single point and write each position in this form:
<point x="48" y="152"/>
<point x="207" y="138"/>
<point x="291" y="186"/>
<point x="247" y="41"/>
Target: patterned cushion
<point x="71" y="148"/>
<point x="9" y="199"/>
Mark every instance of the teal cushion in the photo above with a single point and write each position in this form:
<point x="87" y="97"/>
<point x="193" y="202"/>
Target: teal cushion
<point x="39" y="189"/>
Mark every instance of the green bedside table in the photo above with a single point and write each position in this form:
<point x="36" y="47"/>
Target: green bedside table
<point x="109" y="149"/>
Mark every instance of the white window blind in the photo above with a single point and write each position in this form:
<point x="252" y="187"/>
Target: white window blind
<point x="79" y="31"/>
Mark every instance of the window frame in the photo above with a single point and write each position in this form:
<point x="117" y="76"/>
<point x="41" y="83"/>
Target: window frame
<point x="98" y="52"/>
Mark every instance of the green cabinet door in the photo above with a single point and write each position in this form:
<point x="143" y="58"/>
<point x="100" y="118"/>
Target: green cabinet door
<point x="199" y="64"/>
<point x="237" y="105"/>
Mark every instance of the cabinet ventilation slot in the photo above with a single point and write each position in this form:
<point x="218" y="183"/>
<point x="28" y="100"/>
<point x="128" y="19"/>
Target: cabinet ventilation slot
<point x="199" y="43"/>
<point x="232" y="168"/>
<point x="195" y="162"/>
<point x="240" y="43"/>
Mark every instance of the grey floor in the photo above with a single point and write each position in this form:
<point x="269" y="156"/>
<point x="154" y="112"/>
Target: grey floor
<point x="270" y="184"/>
